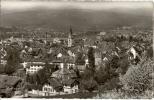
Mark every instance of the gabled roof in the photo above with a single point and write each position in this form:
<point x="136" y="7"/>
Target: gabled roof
<point x="64" y="73"/>
<point x="69" y="82"/>
<point x="54" y="82"/>
<point x="6" y="80"/>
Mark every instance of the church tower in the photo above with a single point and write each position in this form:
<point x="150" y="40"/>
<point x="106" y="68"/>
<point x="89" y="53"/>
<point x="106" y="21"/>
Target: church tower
<point x="70" y="41"/>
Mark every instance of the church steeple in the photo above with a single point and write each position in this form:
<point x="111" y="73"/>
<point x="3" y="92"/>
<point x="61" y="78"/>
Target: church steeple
<point x="70" y="37"/>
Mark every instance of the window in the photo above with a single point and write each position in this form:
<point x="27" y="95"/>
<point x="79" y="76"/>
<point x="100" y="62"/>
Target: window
<point x="49" y="89"/>
<point x="44" y="89"/>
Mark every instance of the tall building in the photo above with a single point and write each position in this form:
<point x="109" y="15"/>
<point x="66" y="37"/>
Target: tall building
<point x="70" y="41"/>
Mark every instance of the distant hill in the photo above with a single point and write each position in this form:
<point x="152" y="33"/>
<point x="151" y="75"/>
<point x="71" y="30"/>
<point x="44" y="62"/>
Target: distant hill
<point x="80" y="19"/>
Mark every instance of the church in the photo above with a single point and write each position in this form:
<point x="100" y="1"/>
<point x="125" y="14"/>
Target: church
<point x="70" y="39"/>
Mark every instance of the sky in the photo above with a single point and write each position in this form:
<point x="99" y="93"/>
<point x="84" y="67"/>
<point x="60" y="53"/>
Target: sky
<point x="11" y="5"/>
<point x="77" y="0"/>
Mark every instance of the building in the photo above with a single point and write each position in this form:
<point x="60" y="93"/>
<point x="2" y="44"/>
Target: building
<point x="70" y="40"/>
<point x="98" y="57"/>
<point x="68" y="78"/>
<point x="9" y="84"/>
<point x="3" y="55"/>
<point x="52" y="87"/>
<point x="71" y="86"/>
<point x="64" y="73"/>
<point x="33" y="67"/>
<point x="62" y="81"/>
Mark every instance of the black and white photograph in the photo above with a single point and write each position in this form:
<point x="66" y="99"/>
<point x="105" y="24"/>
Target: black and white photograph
<point x="76" y="49"/>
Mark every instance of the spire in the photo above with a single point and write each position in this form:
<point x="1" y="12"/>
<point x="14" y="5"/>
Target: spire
<point x="70" y="37"/>
<point x="71" y="32"/>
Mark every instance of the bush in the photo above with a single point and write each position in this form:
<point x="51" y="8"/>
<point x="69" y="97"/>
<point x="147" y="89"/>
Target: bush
<point x="111" y="84"/>
<point x="102" y="75"/>
<point x="113" y="94"/>
<point x="137" y="79"/>
<point x="89" y="84"/>
<point x="2" y="69"/>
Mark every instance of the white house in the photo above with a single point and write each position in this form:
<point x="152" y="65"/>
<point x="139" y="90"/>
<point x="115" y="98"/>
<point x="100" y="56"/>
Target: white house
<point x="52" y="87"/>
<point x="3" y="55"/>
<point x="48" y="90"/>
<point x="33" y="67"/>
<point x="133" y="52"/>
<point x="71" y="90"/>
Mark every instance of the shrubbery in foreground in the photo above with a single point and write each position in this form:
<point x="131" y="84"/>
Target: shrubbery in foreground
<point x="137" y="79"/>
<point x="136" y="83"/>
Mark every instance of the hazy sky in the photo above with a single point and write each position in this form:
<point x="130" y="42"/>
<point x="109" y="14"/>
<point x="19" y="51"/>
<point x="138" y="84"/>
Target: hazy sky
<point x="17" y="5"/>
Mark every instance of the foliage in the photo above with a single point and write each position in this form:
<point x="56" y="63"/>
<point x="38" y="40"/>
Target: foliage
<point x="2" y="68"/>
<point x="42" y="75"/>
<point x="114" y="94"/>
<point x="150" y="52"/>
<point x="13" y="60"/>
<point x="137" y="78"/>
<point x="87" y="73"/>
<point x="91" y="59"/>
<point x="89" y="84"/>
<point x="102" y="75"/>
<point x="110" y="84"/>
<point x="107" y="71"/>
<point x="80" y="59"/>
<point x="123" y="65"/>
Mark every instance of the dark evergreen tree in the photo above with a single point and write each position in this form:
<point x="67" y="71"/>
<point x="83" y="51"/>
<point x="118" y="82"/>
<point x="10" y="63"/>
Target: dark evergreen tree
<point x="91" y="59"/>
<point x="88" y="82"/>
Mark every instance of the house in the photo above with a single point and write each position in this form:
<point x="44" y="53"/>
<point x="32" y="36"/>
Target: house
<point x="52" y="87"/>
<point x="9" y="84"/>
<point x="55" y="86"/>
<point x="3" y="55"/>
<point x="81" y="68"/>
<point x="71" y="86"/>
<point x="134" y="55"/>
<point x="68" y="78"/>
<point x="63" y="73"/>
<point x="33" y="67"/>
<point x="98" y="57"/>
<point x="63" y="55"/>
<point x="33" y="59"/>
<point x="102" y="33"/>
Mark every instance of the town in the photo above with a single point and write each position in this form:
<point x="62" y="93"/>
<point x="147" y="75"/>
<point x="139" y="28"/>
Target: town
<point x="41" y="63"/>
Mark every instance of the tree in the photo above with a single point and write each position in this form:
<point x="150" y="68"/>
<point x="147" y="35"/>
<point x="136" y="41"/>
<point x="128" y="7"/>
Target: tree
<point x="91" y="59"/>
<point x="89" y="84"/>
<point x="80" y="59"/>
<point x="102" y="75"/>
<point x="2" y="68"/>
<point x="42" y="75"/>
<point x="13" y="60"/>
